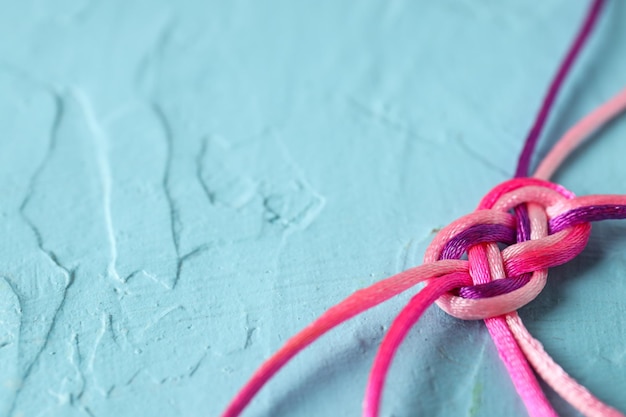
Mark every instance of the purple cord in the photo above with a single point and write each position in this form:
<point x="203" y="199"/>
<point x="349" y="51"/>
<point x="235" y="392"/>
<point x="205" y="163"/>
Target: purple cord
<point x="480" y="233"/>
<point x="523" y="223"/>
<point x="457" y="246"/>
<point x="493" y="288"/>
<point x="586" y="215"/>
<point x="497" y="233"/>
<point x="523" y="163"/>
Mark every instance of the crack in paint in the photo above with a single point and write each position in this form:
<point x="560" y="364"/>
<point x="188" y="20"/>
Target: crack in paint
<point x="31" y="366"/>
<point x="174" y="215"/>
<point x="49" y="253"/>
<point x="101" y="148"/>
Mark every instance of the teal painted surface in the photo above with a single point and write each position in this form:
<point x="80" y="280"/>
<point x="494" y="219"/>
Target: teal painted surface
<point x="187" y="184"/>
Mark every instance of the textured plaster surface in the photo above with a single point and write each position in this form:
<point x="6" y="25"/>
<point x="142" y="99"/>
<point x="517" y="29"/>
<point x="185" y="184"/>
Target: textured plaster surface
<point x="187" y="184"/>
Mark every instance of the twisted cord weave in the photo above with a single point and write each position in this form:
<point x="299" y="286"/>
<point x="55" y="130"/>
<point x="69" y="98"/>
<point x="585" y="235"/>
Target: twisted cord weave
<point x="492" y="284"/>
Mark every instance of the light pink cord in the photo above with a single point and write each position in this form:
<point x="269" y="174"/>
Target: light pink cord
<point x="522" y="375"/>
<point x="579" y="133"/>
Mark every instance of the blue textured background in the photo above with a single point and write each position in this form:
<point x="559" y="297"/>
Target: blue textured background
<point x="187" y="184"/>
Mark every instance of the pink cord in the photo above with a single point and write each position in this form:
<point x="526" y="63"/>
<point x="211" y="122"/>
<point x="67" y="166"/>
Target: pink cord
<point x="578" y="134"/>
<point x="399" y="329"/>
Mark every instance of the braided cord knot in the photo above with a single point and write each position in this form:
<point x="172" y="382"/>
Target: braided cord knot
<point x="502" y="281"/>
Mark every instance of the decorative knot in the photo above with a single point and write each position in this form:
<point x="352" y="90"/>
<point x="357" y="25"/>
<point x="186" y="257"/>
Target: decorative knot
<point x="541" y="224"/>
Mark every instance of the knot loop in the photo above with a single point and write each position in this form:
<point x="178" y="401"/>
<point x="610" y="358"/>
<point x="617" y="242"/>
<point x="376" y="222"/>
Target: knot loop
<point x="537" y="238"/>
